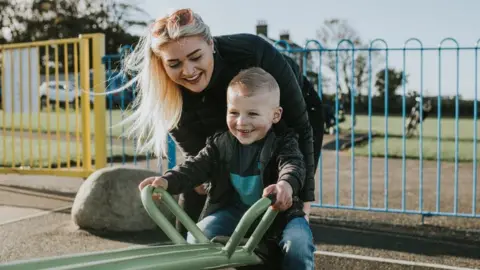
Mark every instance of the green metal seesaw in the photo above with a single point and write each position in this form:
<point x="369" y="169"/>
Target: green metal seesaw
<point x="206" y="254"/>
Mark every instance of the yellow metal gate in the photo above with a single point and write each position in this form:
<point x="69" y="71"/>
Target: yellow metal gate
<point x="51" y="122"/>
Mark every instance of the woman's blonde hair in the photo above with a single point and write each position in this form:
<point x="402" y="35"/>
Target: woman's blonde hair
<point x="158" y="104"/>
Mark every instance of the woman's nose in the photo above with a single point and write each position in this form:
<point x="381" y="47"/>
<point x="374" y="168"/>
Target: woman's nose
<point x="188" y="70"/>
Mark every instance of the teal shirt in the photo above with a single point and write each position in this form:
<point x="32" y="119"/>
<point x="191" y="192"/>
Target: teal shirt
<point x="245" y="172"/>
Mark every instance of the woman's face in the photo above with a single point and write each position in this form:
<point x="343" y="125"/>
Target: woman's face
<point x="189" y="62"/>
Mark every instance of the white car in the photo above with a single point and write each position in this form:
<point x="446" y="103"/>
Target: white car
<point x="66" y="94"/>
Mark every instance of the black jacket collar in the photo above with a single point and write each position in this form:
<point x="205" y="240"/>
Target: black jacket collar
<point x="218" y="66"/>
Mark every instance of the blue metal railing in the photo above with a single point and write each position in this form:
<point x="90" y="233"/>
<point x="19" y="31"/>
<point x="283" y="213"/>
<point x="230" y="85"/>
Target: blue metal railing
<point x="439" y="191"/>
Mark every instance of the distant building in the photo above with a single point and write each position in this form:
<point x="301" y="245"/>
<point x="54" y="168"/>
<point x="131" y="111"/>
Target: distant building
<point x="298" y="56"/>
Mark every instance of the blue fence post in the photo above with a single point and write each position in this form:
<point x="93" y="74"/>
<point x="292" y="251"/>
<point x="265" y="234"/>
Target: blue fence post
<point x="172" y="153"/>
<point x="320" y="94"/>
<point x="386" y="154"/>
<point x="404" y="141"/>
<point x="475" y="115"/>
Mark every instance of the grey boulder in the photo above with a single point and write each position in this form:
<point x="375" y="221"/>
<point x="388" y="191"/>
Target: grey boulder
<point x="109" y="200"/>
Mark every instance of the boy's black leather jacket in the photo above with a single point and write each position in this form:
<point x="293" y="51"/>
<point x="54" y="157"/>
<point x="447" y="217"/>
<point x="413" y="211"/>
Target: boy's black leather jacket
<point x="280" y="160"/>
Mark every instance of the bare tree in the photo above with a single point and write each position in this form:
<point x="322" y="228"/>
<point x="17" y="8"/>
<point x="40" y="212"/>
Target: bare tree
<point x="395" y="79"/>
<point x="345" y="65"/>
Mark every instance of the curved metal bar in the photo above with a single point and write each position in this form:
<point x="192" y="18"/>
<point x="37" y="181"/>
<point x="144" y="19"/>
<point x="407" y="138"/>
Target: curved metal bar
<point x="446" y="39"/>
<point x="157" y="216"/>
<point x="378" y="39"/>
<point x="475" y="116"/>
<point x="413" y="39"/>
<point x="181" y="215"/>
<point x="386" y="98"/>
<point x="260" y="231"/>
<point x="352" y="116"/>
<point x="337" y="107"/>
<point x="320" y="95"/>
<point x="306" y="51"/>
<point x="346" y="40"/>
<point x="439" y="124"/>
<point x="288" y="48"/>
<point x="160" y="219"/>
<point x="404" y="141"/>
<point x="314" y="41"/>
<point x="246" y="221"/>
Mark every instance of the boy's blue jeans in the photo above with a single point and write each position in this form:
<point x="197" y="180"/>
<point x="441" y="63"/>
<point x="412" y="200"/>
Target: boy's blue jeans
<point x="296" y="243"/>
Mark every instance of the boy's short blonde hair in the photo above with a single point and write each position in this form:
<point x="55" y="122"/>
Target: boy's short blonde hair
<point x="255" y="80"/>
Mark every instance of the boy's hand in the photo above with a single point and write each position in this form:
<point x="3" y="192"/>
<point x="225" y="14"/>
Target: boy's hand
<point x="155" y="182"/>
<point x="201" y="190"/>
<point x="284" y="195"/>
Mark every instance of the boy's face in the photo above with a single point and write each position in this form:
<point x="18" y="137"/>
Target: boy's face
<point x="249" y="118"/>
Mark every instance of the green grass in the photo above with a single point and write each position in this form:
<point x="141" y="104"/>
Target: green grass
<point x="412" y="145"/>
<point x="70" y="122"/>
<point x="430" y="150"/>
<point x="62" y="121"/>
<point x="430" y="126"/>
<point x="36" y="152"/>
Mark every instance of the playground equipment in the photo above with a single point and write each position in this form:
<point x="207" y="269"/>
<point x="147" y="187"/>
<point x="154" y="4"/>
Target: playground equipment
<point x="205" y="254"/>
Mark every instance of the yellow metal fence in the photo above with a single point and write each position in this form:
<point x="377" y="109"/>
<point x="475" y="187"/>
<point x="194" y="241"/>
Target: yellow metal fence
<point x="50" y="122"/>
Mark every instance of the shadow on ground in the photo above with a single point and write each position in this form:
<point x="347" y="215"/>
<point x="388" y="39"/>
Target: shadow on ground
<point x="379" y="239"/>
<point x="148" y="237"/>
<point x="344" y="141"/>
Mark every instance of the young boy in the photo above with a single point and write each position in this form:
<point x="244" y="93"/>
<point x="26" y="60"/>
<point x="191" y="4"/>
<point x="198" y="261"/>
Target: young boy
<point x="255" y="157"/>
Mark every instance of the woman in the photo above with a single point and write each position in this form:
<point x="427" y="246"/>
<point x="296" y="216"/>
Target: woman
<point x="183" y="72"/>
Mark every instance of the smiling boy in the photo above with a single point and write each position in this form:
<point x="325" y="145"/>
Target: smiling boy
<point x="258" y="155"/>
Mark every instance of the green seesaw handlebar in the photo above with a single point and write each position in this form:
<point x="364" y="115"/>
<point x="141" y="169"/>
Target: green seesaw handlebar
<point x="204" y="255"/>
<point x="163" y="222"/>
<point x="245" y="222"/>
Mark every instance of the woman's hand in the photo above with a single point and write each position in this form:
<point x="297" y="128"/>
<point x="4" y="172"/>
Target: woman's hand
<point x="284" y="195"/>
<point x="154" y="182"/>
<point x="306" y="210"/>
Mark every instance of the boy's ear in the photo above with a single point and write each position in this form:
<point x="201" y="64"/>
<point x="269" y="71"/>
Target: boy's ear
<point x="277" y="114"/>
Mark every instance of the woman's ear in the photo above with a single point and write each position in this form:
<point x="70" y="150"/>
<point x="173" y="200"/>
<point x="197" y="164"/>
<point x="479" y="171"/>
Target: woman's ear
<point x="212" y="45"/>
<point x="277" y="114"/>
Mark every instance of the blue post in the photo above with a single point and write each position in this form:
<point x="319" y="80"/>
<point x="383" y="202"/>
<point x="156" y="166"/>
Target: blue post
<point x="439" y="128"/>
<point x="475" y="115"/>
<point x="352" y="115"/>
<point x="320" y="94"/>
<point x="172" y="154"/>
<point x="336" y="131"/>
<point x="386" y="131"/>
<point x="455" y="204"/>
<point x="404" y="141"/>
<point x="370" y="127"/>
<point x="420" y="199"/>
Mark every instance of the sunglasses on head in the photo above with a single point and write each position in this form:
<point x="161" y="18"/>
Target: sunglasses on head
<point x="180" y="17"/>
